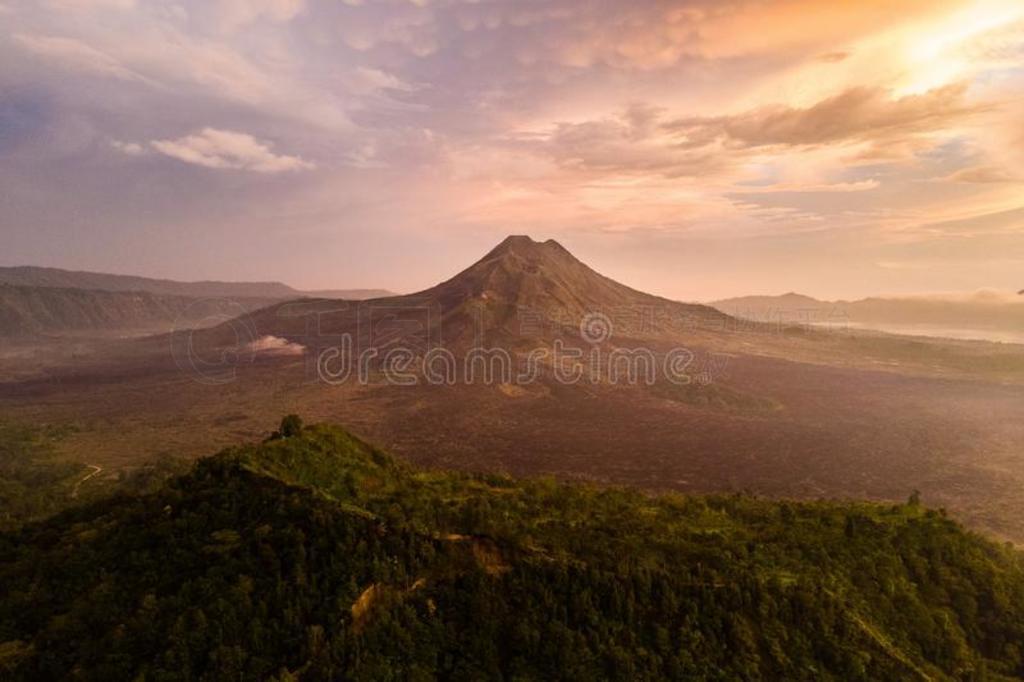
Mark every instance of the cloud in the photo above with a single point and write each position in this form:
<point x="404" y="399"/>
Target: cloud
<point x="761" y="118"/>
<point x="215" y="148"/>
<point x="640" y="141"/>
<point x="795" y="187"/>
<point x="860" y="114"/>
<point x="77" y="55"/>
<point x="234" y="14"/>
<point x="833" y="57"/>
<point x="1010" y="221"/>
<point x="982" y="175"/>
<point x="175" y="61"/>
<point x="411" y="26"/>
<point x="90" y="5"/>
<point x="626" y="143"/>
<point x="364" y="81"/>
<point x="659" y="35"/>
<point x="129" y="148"/>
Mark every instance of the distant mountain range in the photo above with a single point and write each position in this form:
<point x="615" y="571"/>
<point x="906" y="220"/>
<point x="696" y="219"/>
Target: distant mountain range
<point x="37" y="301"/>
<point x="983" y="314"/>
<point x="27" y="275"/>
<point x="32" y="312"/>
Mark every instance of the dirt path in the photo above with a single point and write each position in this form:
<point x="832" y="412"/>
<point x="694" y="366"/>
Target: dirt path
<point x="95" y="470"/>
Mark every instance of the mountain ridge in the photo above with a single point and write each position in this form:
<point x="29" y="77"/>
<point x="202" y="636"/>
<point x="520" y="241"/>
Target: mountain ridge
<point x="980" y="311"/>
<point x="30" y="312"/>
<point x="31" y="275"/>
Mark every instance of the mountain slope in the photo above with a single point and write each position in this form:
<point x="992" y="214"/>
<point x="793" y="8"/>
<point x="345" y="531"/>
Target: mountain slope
<point x="318" y="557"/>
<point x="49" y="311"/>
<point x="69" y="279"/>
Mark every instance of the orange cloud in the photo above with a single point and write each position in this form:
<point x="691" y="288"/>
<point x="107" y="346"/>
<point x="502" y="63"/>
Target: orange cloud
<point x="982" y="174"/>
<point x="855" y="115"/>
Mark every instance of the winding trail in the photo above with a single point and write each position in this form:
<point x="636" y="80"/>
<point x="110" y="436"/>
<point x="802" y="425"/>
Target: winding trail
<point x="95" y="470"/>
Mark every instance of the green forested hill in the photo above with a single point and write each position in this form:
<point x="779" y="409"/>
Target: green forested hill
<point x="316" y="557"/>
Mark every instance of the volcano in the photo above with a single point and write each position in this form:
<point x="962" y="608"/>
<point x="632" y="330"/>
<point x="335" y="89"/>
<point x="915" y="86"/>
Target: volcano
<point x="520" y="292"/>
<point x="521" y="272"/>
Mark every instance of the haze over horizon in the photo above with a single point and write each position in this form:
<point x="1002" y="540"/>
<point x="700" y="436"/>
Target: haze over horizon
<point x="977" y="296"/>
<point x="695" y="150"/>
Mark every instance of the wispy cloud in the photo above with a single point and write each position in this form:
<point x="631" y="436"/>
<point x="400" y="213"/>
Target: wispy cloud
<point x="855" y="115"/>
<point x="88" y="5"/>
<point x="628" y="143"/>
<point x="214" y="148"/>
<point x="982" y="174"/>
<point x="77" y="55"/>
<point x="130" y="148"/>
<point x="234" y="14"/>
<point x="798" y="187"/>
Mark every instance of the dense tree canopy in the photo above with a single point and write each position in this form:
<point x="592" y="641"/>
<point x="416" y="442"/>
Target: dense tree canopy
<point x="317" y="557"/>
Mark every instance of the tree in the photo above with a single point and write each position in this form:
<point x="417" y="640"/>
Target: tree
<point x="291" y="426"/>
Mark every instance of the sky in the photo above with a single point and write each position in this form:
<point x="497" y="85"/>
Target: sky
<point x="694" y="149"/>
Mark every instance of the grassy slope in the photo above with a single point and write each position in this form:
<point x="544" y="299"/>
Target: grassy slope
<point x="33" y="483"/>
<point x="321" y="557"/>
<point x="36" y="482"/>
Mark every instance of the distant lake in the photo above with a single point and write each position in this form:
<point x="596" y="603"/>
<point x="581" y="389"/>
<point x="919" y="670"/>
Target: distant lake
<point x="961" y="333"/>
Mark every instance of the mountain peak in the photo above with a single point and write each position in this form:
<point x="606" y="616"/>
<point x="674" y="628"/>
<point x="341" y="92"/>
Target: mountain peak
<point x="517" y="239"/>
<point x="544" y="276"/>
<point x="525" y="246"/>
